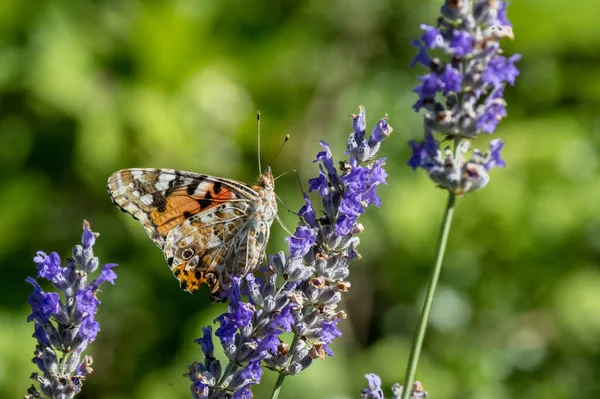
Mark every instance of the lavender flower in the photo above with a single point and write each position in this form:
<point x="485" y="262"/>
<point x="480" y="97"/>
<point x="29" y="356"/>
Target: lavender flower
<point x="296" y="294"/>
<point x="463" y="92"/>
<point x="65" y="323"/>
<point x="374" y="391"/>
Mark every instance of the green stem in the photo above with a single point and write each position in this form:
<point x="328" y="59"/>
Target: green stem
<point x="283" y="373"/>
<point x="415" y="350"/>
<point x="231" y="366"/>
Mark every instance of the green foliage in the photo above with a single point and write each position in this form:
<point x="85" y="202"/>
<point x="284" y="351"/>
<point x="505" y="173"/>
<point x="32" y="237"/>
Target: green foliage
<point x="89" y="87"/>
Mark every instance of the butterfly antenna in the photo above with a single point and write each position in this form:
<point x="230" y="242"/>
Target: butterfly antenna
<point x="285" y="206"/>
<point x="287" y="137"/>
<point x="297" y="178"/>
<point x="283" y="225"/>
<point x="258" y="129"/>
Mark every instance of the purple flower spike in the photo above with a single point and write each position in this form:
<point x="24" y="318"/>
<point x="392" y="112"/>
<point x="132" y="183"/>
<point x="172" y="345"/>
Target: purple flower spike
<point x="462" y="92"/>
<point x="297" y="292"/>
<point x="65" y="323"/>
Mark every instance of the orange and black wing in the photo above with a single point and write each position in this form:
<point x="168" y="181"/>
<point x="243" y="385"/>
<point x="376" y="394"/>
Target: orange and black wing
<point x="161" y="199"/>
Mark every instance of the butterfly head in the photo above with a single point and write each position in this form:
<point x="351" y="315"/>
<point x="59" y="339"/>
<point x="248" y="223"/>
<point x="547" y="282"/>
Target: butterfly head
<point x="266" y="180"/>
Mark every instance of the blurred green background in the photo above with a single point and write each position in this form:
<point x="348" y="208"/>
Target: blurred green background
<point x="89" y="87"/>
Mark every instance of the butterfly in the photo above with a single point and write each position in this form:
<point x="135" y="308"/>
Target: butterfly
<point x="208" y="228"/>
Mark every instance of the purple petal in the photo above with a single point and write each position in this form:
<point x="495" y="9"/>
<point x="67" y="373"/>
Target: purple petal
<point x="432" y="37"/>
<point x="422" y="57"/>
<point x="461" y="43"/>
<point x="301" y="242"/>
<point x="496" y="161"/>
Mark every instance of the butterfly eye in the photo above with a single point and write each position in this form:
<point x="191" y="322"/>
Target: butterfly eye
<point x="211" y="279"/>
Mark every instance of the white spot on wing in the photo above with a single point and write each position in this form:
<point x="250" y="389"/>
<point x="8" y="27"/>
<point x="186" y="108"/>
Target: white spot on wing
<point x="137" y="174"/>
<point x="163" y="181"/>
<point x="203" y="188"/>
<point x="146" y="199"/>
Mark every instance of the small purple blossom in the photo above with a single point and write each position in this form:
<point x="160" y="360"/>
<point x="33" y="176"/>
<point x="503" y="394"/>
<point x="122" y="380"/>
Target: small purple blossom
<point x="43" y="304"/>
<point x="494" y="160"/>
<point x="493" y="111"/>
<point x="239" y="315"/>
<point x="501" y="70"/>
<point x="373" y="390"/>
<point x="432" y="37"/>
<point x="452" y="80"/>
<point x="73" y="310"/>
<point x="88" y="238"/>
<point x="206" y="342"/>
<point x="327" y="161"/>
<point x="330" y="331"/>
<point x="307" y="213"/>
<point x="461" y="43"/>
<point x="319" y="184"/>
<point x="301" y="241"/>
<point x="422" y="56"/>
<point x="49" y="266"/>
<point x="380" y="131"/>
<point x="502" y="16"/>
<point x="423" y="151"/>
<point x="87" y="302"/>
<point x="89" y="328"/>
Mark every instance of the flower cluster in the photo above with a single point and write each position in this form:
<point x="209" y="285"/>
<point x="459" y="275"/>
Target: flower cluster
<point x="296" y="294"/>
<point x="374" y="391"/>
<point x="463" y="93"/>
<point x="66" y="324"/>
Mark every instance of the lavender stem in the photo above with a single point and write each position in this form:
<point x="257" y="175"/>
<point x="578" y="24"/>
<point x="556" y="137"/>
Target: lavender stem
<point x="417" y="344"/>
<point x="283" y="373"/>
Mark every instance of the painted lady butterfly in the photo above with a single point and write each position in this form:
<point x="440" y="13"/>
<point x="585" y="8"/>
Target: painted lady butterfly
<point x="207" y="227"/>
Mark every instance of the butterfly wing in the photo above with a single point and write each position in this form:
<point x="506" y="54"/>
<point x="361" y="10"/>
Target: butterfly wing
<point x="161" y="199"/>
<point x="199" y="249"/>
<point x="207" y="227"/>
